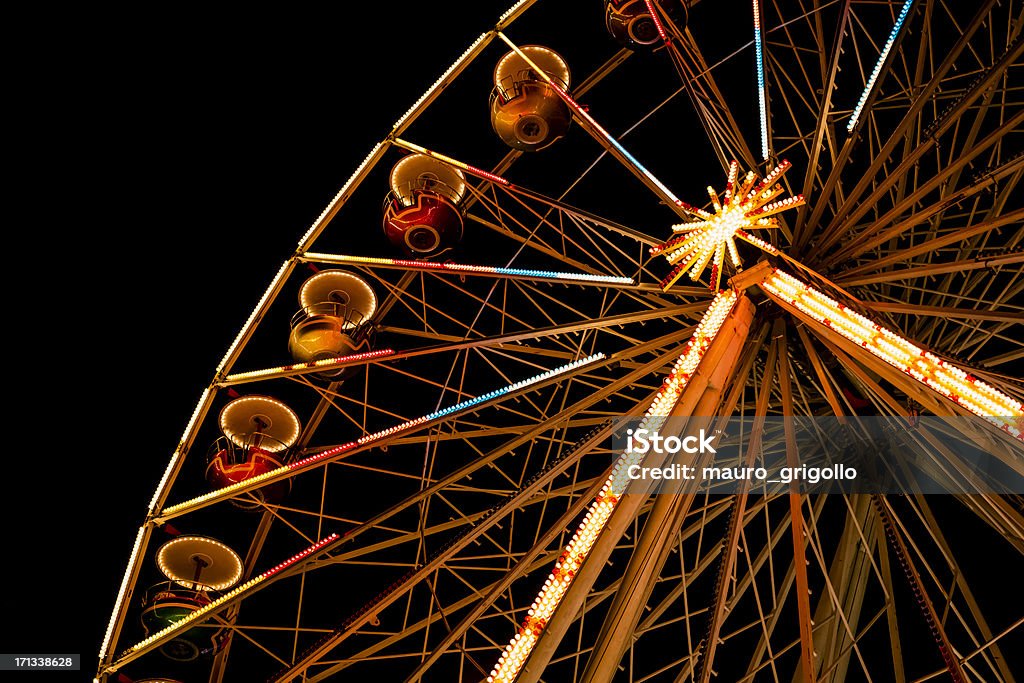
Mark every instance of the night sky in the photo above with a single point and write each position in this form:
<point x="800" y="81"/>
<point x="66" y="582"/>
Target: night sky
<point x="167" y="170"/>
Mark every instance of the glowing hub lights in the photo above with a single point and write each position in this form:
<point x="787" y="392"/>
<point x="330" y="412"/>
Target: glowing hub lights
<point x="744" y="206"/>
<point x="291" y="468"/>
<point x="318" y="364"/>
<point x="470" y="269"/>
<point x="241" y="588"/>
<point x="762" y="105"/>
<point x="947" y="379"/>
<point x="855" y="117"/>
<point x="575" y="553"/>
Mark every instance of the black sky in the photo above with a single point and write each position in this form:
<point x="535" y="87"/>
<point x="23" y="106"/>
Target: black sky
<point x="166" y="161"/>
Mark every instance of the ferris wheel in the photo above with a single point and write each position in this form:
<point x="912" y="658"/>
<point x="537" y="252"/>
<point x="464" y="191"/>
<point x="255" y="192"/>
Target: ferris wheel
<point x="403" y="467"/>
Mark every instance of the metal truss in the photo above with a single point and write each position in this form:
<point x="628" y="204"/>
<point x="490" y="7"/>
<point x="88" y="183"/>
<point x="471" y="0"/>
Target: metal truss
<point x="446" y="528"/>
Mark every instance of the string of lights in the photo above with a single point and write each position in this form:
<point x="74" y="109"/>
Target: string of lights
<point x="308" y="462"/>
<point x="762" y="104"/>
<point x="470" y="269"/>
<point x="952" y="382"/>
<point x="119" y="602"/>
<point x="883" y="55"/>
<point x="656" y="19"/>
<point x="575" y="553"/>
<point x="593" y="124"/>
<point x="216" y="604"/>
<point x="318" y="364"/>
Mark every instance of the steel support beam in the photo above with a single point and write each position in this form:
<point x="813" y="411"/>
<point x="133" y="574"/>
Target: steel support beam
<point x="670" y="509"/>
<point x="623" y="515"/>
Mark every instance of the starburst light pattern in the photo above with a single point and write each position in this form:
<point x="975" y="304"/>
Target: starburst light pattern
<point x="746" y="205"/>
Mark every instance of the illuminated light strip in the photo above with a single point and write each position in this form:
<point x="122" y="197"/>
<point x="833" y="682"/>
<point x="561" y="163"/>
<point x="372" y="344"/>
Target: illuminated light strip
<point x="657" y="20"/>
<point x="582" y="113"/>
<point x="382" y="434"/>
<point x="443" y="77"/>
<point x="468" y="268"/>
<point x="757" y="242"/>
<point x="267" y="293"/>
<point x="172" y="463"/>
<point x="689" y="208"/>
<point x="855" y="117"/>
<point x="963" y="389"/>
<point x="575" y="553"/>
<point x="215" y="604"/>
<point x="324" y="363"/>
<point x="105" y="647"/>
<point x="452" y="162"/>
<point x="761" y="102"/>
<point x="511" y="10"/>
<point x="682" y="243"/>
<point x="341" y="194"/>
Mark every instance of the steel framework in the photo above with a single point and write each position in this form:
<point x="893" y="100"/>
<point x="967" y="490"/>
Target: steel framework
<point x="437" y="487"/>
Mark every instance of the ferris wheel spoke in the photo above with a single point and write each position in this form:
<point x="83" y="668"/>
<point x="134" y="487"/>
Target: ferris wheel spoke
<point x="603" y="137"/>
<point x="259" y="537"/>
<point x="530" y="561"/>
<point x="629" y="380"/>
<point x="889" y="141"/>
<point x="964" y="336"/>
<point x="823" y="133"/>
<point x="855" y="207"/>
<point x="455" y="343"/>
<point x="388" y="436"/>
<point x="582" y="215"/>
<point x="993" y="656"/>
<point x="871" y="274"/>
<point x="440" y="269"/>
<point x="876" y="234"/>
<point x="715" y="115"/>
<point x="898" y="545"/>
<point x="770" y="617"/>
<point x="558" y="232"/>
<point x="897" y="306"/>
<point x="509" y="226"/>
<point x="426" y="569"/>
<point x="376" y="439"/>
<point x="420" y="308"/>
<point x="523" y="436"/>
<point x="708" y="645"/>
<point x="501" y="229"/>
